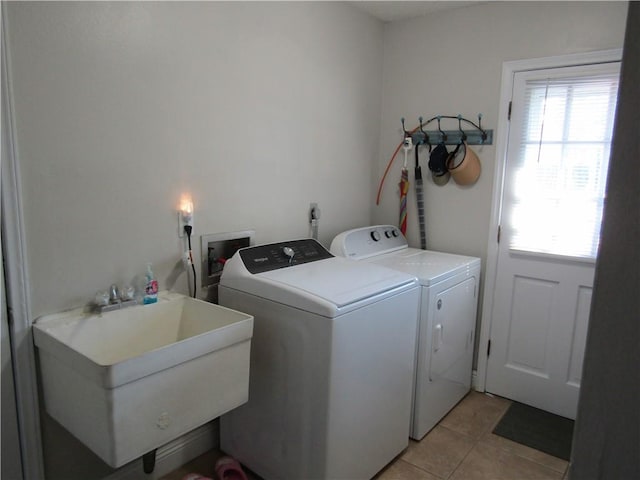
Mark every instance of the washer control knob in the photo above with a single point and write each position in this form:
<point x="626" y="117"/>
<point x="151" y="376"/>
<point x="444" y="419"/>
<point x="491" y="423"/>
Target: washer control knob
<point x="394" y="232"/>
<point x="288" y="251"/>
<point x="388" y="233"/>
<point x="375" y="235"/>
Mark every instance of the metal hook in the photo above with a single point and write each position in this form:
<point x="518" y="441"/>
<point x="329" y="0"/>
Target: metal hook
<point x="406" y="134"/>
<point x="484" y="134"/>
<point x="463" y="137"/>
<point x="417" y="138"/>
<point x="444" y="135"/>
<point x="426" y="135"/>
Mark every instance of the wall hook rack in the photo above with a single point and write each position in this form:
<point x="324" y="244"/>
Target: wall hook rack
<point x="475" y="136"/>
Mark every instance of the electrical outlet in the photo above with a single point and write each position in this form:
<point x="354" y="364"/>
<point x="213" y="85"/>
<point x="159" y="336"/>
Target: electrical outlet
<point x="314" y="218"/>
<point x="314" y="212"/>
<point x="184" y="219"/>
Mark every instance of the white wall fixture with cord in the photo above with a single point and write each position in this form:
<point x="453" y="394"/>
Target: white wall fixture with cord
<point x="185" y="227"/>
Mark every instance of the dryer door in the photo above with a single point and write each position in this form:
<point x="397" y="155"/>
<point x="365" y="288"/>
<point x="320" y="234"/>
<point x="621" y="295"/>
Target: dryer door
<point x="454" y="317"/>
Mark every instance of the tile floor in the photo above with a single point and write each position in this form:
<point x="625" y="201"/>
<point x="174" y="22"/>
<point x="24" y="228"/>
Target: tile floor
<point x="460" y="447"/>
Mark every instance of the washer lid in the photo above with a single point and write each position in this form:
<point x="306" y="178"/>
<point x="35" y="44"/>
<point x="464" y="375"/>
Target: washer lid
<point x="430" y="267"/>
<point x="328" y="287"/>
<point x="336" y="281"/>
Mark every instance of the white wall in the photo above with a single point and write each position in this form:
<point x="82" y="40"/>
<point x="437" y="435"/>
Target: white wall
<point x="254" y="109"/>
<point x="450" y="63"/>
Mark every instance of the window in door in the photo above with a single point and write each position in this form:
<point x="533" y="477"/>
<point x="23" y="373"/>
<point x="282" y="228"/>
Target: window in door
<point x="562" y="162"/>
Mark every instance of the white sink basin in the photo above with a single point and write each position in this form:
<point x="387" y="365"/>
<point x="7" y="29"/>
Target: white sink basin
<point x="128" y="381"/>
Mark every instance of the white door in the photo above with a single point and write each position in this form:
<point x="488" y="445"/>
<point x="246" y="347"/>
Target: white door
<point x="554" y="180"/>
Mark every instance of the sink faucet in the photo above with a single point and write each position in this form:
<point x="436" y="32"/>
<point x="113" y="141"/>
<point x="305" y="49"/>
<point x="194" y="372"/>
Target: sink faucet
<point x="114" y="294"/>
<point x="115" y="299"/>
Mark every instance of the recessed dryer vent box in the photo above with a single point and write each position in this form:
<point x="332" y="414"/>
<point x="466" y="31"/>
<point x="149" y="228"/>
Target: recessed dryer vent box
<point x="216" y="249"/>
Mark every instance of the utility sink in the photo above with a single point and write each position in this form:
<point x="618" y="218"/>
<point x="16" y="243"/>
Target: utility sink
<point x="128" y="381"/>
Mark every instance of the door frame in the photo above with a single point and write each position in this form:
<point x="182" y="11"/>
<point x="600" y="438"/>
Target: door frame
<point x="17" y="285"/>
<point x="509" y="69"/>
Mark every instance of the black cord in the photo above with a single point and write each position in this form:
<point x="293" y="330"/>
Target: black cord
<point x="188" y="229"/>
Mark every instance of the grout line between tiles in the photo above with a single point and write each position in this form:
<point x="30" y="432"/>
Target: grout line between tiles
<point x="475" y="442"/>
<point x="424" y="470"/>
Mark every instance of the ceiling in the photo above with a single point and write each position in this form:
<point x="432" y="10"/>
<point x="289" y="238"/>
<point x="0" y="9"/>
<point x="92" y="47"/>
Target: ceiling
<point x="391" y="11"/>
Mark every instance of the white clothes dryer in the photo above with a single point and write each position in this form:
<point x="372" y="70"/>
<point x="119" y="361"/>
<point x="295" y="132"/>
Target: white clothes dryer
<point x="332" y="362"/>
<point x="446" y="320"/>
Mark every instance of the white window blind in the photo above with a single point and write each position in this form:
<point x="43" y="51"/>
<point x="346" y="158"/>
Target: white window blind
<point x="563" y="159"/>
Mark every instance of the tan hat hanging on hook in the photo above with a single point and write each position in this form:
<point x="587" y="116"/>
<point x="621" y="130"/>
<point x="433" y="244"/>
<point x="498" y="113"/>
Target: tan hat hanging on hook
<point x="464" y="165"/>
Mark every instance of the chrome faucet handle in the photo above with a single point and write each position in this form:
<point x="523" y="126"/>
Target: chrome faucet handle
<point x="114" y="294"/>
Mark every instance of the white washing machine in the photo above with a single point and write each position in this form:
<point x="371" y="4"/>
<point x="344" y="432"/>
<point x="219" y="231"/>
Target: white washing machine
<point x="447" y="317"/>
<point x="332" y="362"/>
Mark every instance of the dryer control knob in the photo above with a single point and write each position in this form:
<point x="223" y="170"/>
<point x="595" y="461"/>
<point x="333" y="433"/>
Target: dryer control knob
<point x="375" y="235"/>
<point x="394" y="232"/>
<point x="388" y="233"/>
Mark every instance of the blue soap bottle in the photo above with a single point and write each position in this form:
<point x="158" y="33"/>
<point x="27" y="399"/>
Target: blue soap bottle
<point x="150" y="287"/>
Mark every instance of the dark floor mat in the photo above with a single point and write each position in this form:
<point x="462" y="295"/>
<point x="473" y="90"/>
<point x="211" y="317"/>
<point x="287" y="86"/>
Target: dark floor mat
<point x="537" y="429"/>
